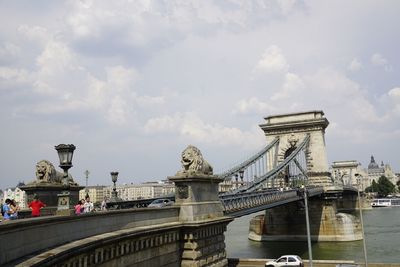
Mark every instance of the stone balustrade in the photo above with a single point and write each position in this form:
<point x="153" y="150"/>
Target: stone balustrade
<point x="21" y="238"/>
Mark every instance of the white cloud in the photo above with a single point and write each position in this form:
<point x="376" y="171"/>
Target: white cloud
<point x="355" y="65"/>
<point x="380" y="61"/>
<point x="101" y="69"/>
<point x="121" y="79"/>
<point x="14" y="76"/>
<point x="395" y="93"/>
<point x="272" y="61"/>
<point x="150" y="100"/>
<point x="286" y="5"/>
<point x="9" y="50"/>
<point x="118" y="112"/>
<point x="193" y="128"/>
<point x="394" y="101"/>
<point x="35" y="33"/>
<point x="252" y="106"/>
<point x="293" y="85"/>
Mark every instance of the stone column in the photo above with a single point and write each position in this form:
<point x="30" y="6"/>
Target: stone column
<point x="204" y="224"/>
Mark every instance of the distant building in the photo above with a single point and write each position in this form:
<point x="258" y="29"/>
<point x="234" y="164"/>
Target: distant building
<point x="17" y="194"/>
<point x="344" y="172"/>
<point x="141" y="191"/>
<point x="375" y="171"/>
<point x="96" y="193"/>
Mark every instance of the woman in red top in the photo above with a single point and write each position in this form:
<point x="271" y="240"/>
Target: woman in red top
<point x="35" y="206"/>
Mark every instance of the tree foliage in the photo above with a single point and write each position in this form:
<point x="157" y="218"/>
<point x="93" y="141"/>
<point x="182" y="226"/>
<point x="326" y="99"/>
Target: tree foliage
<point x="383" y="187"/>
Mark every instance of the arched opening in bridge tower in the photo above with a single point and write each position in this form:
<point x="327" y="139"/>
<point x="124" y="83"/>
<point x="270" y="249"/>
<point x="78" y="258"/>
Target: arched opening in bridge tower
<point x="289" y="170"/>
<point x="295" y="173"/>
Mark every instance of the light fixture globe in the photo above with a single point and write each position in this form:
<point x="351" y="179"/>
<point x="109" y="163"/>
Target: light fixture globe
<point x="114" y="176"/>
<point x="65" y="153"/>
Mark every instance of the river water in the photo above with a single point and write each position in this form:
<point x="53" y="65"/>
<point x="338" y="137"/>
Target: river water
<point x="382" y="231"/>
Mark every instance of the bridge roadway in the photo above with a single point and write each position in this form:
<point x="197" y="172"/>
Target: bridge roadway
<point x="244" y="203"/>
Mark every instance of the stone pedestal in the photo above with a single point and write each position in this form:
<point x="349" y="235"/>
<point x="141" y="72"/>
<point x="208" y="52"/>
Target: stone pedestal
<point x="198" y="197"/>
<point x="65" y="204"/>
<point x="203" y="220"/>
<point x="48" y="194"/>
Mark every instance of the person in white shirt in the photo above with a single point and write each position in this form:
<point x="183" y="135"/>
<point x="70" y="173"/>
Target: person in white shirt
<point x="104" y="204"/>
<point x="88" y="206"/>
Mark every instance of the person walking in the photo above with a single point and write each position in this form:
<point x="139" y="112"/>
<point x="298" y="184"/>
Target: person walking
<point x="14" y="208"/>
<point x="6" y="210"/>
<point x="35" y="206"/>
<point x="104" y="204"/>
<point x="78" y="208"/>
<point x="88" y="206"/>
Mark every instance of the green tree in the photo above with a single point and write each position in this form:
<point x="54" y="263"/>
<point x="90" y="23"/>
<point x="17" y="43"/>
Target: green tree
<point x="383" y="187"/>
<point x="372" y="188"/>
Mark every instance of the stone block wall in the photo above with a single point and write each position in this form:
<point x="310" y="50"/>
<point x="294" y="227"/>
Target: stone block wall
<point x="288" y="223"/>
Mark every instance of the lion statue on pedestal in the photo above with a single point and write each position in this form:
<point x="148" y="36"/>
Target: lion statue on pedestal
<point x="194" y="163"/>
<point x="46" y="173"/>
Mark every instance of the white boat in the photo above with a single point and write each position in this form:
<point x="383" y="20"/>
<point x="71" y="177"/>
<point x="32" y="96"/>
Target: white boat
<point x="385" y="202"/>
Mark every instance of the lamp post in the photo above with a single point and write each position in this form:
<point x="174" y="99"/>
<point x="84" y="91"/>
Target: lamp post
<point x="114" y="178"/>
<point x="359" y="178"/>
<point x="65" y="153"/>
<point x="87" y="178"/>
<point x="310" y="258"/>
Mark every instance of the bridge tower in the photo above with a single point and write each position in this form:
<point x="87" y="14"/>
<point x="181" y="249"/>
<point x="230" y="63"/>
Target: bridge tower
<point x="291" y="129"/>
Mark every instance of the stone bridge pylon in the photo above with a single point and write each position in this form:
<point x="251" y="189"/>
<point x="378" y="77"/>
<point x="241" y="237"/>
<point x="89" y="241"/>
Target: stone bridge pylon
<point x="291" y="129"/>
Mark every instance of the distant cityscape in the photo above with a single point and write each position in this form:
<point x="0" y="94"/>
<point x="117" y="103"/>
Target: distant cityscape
<point x="346" y="172"/>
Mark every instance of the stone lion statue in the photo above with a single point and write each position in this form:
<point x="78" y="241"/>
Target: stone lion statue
<point x="46" y="173"/>
<point x="194" y="163"/>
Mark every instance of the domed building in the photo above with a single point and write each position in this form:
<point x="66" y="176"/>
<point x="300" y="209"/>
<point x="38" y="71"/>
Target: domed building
<point x="350" y="172"/>
<point x="375" y="171"/>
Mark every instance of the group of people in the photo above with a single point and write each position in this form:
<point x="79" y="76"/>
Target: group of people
<point x="9" y="210"/>
<point x="84" y="206"/>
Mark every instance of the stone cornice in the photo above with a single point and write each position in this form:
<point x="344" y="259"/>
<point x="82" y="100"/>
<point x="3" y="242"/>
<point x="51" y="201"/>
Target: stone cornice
<point x="297" y="126"/>
<point x="320" y="112"/>
<point x="196" y="178"/>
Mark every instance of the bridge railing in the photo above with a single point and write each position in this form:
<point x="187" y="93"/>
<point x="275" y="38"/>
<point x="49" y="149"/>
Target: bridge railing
<point x="244" y="203"/>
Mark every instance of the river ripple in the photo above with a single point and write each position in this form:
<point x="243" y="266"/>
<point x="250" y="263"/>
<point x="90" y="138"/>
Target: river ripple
<point x="382" y="230"/>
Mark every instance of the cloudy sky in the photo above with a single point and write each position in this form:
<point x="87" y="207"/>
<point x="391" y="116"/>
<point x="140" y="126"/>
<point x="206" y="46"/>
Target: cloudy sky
<point x="132" y="83"/>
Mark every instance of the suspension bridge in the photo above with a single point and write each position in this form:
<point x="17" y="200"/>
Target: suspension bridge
<point x="290" y="170"/>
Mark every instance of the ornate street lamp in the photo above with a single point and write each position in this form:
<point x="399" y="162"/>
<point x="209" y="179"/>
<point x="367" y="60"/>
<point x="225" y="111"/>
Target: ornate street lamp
<point x="87" y="178"/>
<point x="65" y="153"/>
<point x="359" y="183"/>
<point x="114" y="178"/>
